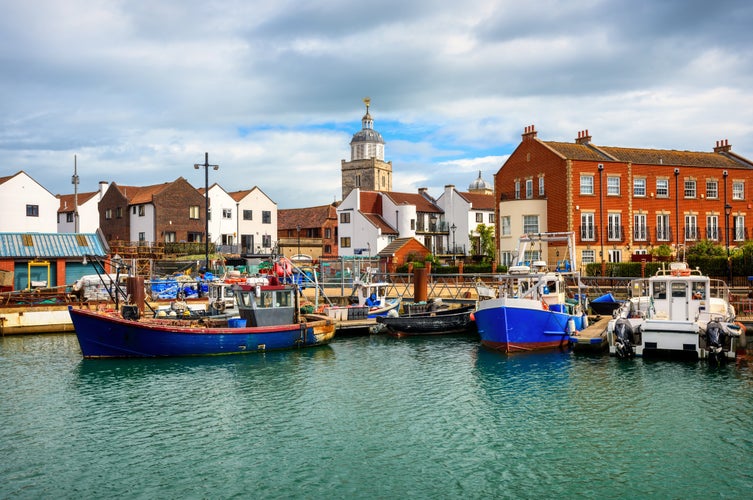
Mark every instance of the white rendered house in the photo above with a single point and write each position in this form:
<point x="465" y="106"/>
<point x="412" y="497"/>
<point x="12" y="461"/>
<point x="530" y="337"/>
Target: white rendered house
<point x="27" y="207"/>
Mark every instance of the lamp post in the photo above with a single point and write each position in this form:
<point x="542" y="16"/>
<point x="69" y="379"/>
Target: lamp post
<point x="433" y="228"/>
<point x="298" y="228"/>
<point x="453" y="227"/>
<point x="601" y="221"/>
<point x="727" y="212"/>
<point x="677" y="212"/>
<point x="206" y="166"/>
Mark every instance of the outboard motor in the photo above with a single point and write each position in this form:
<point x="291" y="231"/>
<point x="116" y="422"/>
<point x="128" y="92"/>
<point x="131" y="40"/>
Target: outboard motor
<point x="623" y="332"/>
<point x="715" y="339"/>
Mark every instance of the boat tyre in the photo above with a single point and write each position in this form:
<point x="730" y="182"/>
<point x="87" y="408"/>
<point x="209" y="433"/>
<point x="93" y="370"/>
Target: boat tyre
<point x="219" y="305"/>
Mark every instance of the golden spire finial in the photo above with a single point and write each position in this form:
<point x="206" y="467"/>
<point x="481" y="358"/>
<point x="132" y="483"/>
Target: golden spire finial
<point x="367" y="102"/>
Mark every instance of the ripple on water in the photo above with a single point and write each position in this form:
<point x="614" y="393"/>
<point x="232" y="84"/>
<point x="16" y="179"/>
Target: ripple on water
<point x="370" y="416"/>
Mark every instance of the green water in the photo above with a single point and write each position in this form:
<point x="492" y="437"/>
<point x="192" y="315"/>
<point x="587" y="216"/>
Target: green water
<point x="370" y="417"/>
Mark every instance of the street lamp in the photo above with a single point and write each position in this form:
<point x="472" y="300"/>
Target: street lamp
<point x="601" y="220"/>
<point x="206" y="166"/>
<point x="677" y="212"/>
<point x="298" y="228"/>
<point x="433" y="228"/>
<point x="727" y="212"/>
<point x="453" y="227"/>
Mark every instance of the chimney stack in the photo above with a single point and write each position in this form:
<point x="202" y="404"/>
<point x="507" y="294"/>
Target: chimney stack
<point x="530" y="132"/>
<point x="583" y="137"/>
<point x="722" y="146"/>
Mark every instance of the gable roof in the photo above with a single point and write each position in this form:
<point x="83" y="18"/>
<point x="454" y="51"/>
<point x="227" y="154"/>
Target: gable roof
<point x="5" y="179"/>
<point x="587" y="151"/>
<point x="137" y="195"/>
<point x="396" y="244"/>
<point x="67" y="201"/>
<point x="378" y="221"/>
<point x="421" y="203"/>
<point x="479" y="201"/>
<point x="310" y="217"/>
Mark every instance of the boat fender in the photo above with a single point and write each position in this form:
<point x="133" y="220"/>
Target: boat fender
<point x="544" y="305"/>
<point x="571" y="327"/>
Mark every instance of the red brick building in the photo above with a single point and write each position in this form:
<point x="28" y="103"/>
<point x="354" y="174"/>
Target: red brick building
<point x="309" y="231"/>
<point x="169" y="212"/>
<point x="621" y="201"/>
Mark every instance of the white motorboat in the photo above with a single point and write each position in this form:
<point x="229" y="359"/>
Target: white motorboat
<point x="678" y="310"/>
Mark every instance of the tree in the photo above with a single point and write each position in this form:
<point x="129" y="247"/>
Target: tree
<point x="486" y="237"/>
<point x="706" y="248"/>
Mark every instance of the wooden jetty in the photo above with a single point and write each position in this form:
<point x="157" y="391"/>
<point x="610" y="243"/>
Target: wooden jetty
<point x="594" y="337"/>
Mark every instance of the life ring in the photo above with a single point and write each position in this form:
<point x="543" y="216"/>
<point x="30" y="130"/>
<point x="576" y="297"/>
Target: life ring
<point x="681" y="272"/>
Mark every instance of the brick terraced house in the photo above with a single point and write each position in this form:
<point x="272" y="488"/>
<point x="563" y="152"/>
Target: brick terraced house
<point x="621" y="201"/>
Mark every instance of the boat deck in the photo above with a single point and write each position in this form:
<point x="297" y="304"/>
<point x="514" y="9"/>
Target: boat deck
<point x="594" y="337"/>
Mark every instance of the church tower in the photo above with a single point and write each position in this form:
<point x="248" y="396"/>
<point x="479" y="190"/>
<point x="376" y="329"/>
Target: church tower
<point x="366" y="169"/>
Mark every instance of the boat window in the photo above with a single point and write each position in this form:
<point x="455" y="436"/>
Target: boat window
<point x="660" y="290"/>
<point x="284" y="299"/>
<point x="245" y="298"/>
<point x="266" y="299"/>
<point x="699" y="290"/>
<point x="679" y="290"/>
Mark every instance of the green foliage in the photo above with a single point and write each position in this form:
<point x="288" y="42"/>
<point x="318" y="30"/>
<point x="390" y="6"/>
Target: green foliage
<point x="486" y="237"/>
<point x="431" y="258"/>
<point x="663" y="250"/>
<point x="705" y="248"/>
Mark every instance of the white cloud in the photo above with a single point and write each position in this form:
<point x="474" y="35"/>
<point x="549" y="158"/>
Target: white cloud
<point x="272" y="90"/>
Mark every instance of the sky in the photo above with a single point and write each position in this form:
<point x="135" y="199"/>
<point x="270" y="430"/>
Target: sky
<point x="137" y="92"/>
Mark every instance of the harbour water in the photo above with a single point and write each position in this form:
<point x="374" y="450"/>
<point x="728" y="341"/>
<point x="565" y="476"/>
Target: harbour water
<point x="370" y="417"/>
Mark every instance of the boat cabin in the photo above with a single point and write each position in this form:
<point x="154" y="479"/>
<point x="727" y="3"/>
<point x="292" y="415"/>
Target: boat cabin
<point x="679" y="294"/>
<point x="267" y="305"/>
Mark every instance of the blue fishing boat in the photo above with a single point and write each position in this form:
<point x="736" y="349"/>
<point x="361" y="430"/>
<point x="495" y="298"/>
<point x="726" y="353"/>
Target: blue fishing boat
<point x="269" y="319"/>
<point x="531" y="308"/>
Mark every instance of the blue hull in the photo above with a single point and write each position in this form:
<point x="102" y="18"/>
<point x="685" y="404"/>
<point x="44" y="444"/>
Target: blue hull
<point x="101" y="335"/>
<point x="512" y="329"/>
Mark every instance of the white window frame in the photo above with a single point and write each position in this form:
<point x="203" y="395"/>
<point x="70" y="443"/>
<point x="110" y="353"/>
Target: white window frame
<point x="640" y="227"/>
<point x="586" y="184"/>
<point x="504" y="227"/>
<point x="614" y="227"/>
<point x="587" y="226"/>
<point x="639" y="187"/>
<point x="662" y="188"/>
<point x="738" y="190"/>
<point x="712" y="189"/>
<point x="691" y="227"/>
<point x="613" y="185"/>
<point x="689" y="189"/>
<point x="712" y="227"/>
<point x="531" y="224"/>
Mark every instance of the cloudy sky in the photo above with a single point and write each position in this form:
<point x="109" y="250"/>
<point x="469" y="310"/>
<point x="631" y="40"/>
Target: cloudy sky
<point x="138" y="91"/>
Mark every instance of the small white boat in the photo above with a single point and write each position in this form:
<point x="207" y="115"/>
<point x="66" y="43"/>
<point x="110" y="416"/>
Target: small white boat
<point x="678" y="310"/>
<point x="374" y="296"/>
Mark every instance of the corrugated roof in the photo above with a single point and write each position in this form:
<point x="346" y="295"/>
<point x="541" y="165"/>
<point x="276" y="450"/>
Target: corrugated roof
<point x="51" y="245"/>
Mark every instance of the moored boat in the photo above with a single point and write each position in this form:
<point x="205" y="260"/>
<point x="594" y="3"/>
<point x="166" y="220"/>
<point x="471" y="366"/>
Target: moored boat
<point x="676" y="311"/>
<point x="605" y="304"/>
<point x="269" y="319"/>
<point x="374" y="296"/>
<point x="531" y="309"/>
<point x="439" y="322"/>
